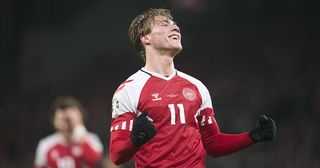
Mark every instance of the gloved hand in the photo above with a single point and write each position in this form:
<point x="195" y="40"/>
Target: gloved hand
<point x="142" y="130"/>
<point x="265" y="129"/>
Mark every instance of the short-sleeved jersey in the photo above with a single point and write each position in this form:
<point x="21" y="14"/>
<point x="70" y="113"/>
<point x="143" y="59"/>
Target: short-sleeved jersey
<point x="54" y="152"/>
<point x="175" y="105"/>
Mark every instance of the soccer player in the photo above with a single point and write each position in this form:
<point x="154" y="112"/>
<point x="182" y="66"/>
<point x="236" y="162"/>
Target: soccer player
<point x="162" y="117"/>
<point x="72" y="146"/>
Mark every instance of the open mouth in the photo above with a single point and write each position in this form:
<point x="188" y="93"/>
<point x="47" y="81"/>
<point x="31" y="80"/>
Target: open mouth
<point x="174" y="36"/>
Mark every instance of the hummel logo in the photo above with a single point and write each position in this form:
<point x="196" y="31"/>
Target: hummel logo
<point x="156" y="97"/>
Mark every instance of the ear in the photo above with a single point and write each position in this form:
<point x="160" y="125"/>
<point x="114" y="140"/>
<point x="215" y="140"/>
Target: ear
<point x="145" y="39"/>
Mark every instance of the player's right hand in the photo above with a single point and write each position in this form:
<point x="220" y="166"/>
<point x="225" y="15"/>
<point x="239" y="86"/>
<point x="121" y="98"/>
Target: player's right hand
<point x="265" y="129"/>
<point x="142" y="130"/>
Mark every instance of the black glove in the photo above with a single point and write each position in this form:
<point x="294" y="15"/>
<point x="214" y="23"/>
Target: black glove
<point x="142" y="130"/>
<point x="265" y="130"/>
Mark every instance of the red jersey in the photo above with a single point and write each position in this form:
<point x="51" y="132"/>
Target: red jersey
<point x="181" y="110"/>
<point x="54" y="152"/>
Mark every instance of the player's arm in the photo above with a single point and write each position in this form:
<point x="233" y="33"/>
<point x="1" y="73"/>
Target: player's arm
<point x="216" y="143"/>
<point x="128" y="130"/>
<point x="92" y="149"/>
<point x="126" y="140"/>
<point x="40" y="157"/>
<point x="124" y="107"/>
<point x="121" y="147"/>
<point x="219" y="144"/>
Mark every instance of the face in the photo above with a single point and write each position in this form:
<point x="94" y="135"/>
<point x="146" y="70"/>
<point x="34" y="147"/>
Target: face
<point x="165" y="36"/>
<point x="66" y="119"/>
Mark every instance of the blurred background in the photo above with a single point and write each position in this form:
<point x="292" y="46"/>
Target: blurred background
<point x="255" y="57"/>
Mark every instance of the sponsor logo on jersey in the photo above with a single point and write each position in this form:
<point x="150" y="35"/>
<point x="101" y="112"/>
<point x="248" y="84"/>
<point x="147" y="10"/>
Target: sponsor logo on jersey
<point x="172" y="95"/>
<point x="156" y="97"/>
<point x="189" y="94"/>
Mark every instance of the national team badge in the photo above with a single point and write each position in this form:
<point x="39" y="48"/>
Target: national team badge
<point x="189" y="94"/>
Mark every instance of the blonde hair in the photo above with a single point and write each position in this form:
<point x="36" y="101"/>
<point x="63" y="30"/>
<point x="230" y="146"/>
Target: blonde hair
<point x="141" y="25"/>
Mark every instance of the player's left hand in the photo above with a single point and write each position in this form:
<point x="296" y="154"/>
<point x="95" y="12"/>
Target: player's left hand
<point x="265" y="129"/>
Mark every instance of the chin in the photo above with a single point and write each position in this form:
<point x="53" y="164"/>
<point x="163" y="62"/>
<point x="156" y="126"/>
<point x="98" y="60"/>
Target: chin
<point x="177" y="46"/>
<point x="177" y="50"/>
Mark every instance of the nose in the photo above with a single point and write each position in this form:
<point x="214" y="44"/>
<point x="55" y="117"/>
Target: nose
<point x="175" y="28"/>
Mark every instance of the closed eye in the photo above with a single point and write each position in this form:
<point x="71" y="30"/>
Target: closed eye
<point x="166" y="22"/>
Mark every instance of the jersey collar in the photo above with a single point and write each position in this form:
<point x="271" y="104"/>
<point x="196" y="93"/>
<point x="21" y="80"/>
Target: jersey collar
<point x="160" y="75"/>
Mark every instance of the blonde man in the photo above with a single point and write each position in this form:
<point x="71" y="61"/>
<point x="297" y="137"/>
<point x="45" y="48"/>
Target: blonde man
<point x="163" y="117"/>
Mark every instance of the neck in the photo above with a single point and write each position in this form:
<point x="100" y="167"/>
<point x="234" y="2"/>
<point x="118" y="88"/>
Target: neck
<point x="161" y="64"/>
<point x="66" y="135"/>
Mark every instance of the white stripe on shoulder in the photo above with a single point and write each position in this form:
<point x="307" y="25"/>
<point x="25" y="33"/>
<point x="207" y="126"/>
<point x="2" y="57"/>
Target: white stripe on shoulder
<point x="44" y="146"/>
<point x="127" y="95"/>
<point x="206" y="98"/>
<point x="94" y="142"/>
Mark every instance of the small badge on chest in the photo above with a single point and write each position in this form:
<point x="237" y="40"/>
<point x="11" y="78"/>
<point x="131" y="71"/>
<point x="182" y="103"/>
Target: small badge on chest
<point x="189" y="94"/>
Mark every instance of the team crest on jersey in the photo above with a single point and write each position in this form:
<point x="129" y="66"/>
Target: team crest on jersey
<point x="189" y="94"/>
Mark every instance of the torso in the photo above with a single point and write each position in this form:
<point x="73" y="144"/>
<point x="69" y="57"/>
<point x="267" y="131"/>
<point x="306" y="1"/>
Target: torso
<point x="173" y="104"/>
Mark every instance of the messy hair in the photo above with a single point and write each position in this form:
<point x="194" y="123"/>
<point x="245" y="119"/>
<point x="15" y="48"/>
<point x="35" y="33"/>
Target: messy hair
<point x="141" y="26"/>
<point x="64" y="102"/>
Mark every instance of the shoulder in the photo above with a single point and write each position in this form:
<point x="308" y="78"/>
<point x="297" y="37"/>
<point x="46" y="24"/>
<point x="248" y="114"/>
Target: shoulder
<point x="50" y="141"/>
<point x="191" y="79"/>
<point x="94" y="137"/>
<point x="94" y="141"/>
<point x="126" y="97"/>
<point x="135" y="81"/>
<point x="44" y="146"/>
<point x="204" y="92"/>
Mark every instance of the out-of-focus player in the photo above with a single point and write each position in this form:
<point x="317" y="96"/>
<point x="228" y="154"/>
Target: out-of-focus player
<point x="72" y="146"/>
<point x="163" y="117"/>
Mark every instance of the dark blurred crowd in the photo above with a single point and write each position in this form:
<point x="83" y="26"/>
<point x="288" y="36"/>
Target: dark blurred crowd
<point x="254" y="57"/>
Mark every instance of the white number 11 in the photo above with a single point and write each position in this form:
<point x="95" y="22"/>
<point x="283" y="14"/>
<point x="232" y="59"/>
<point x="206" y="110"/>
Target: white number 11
<point x="173" y="114"/>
